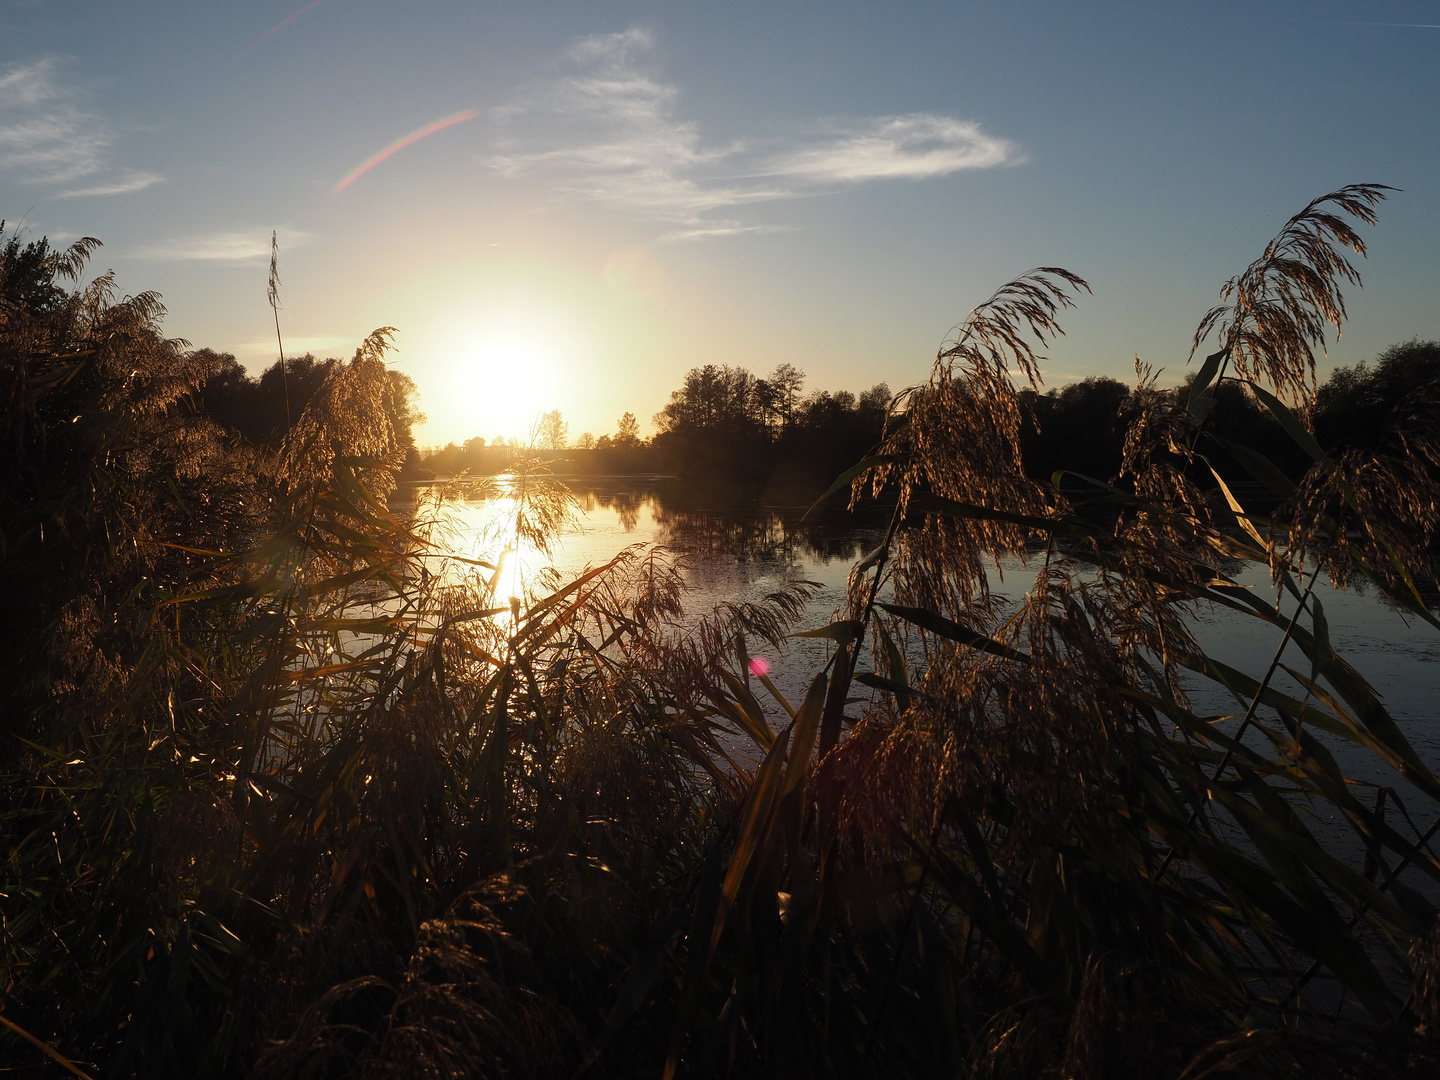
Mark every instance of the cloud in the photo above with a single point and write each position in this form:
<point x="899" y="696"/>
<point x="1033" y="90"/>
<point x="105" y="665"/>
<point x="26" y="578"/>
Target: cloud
<point x="705" y="230"/>
<point x="299" y="345"/>
<point x="607" y="47"/>
<point x="43" y="134"/>
<point x="607" y="131"/>
<point x="133" y="182"/>
<point x="46" y="137"/>
<point x="911" y="147"/>
<point x="234" y="247"/>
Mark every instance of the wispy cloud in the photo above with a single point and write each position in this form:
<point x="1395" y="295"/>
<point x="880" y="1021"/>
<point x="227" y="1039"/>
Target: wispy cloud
<point x="235" y="247"/>
<point x="298" y="345"/>
<point x="909" y="147"/>
<point x="133" y="182"/>
<point x="47" y="137"/>
<point x="607" y="130"/>
<point x="43" y="134"/>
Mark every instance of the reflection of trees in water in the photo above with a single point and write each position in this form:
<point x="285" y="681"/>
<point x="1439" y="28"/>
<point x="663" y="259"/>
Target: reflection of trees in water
<point x="760" y="535"/>
<point x="627" y="503"/>
<point x="746" y="533"/>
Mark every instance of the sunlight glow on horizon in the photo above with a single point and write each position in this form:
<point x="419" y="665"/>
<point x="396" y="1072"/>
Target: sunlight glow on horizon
<point x="491" y="354"/>
<point x="505" y="380"/>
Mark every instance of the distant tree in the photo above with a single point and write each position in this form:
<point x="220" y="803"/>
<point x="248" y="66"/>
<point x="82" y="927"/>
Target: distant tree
<point x="257" y="410"/>
<point x="1080" y="428"/>
<point x="628" y="433"/>
<point x="765" y="403"/>
<point x="230" y="396"/>
<point x="295" y="379"/>
<point x="401" y="398"/>
<point x="605" y="442"/>
<point x="586" y="441"/>
<point x="785" y="384"/>
<point x="477" y="443"/>
<point x="821" y="408"/>
<point x="1357" y="403"/>
<point x="712" y="397"/>
<point x="554" y="431"/>
<point x="877" y="398"/>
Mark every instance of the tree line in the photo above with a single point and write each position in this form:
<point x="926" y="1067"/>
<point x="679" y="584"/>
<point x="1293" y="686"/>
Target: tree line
<point x="728" y="429"/>
<point x="262" y="409"/>
<point x="724" y="428"/>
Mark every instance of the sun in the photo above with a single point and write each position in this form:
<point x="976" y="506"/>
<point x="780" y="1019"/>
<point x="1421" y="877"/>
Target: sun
<point x="494" y="364"/>
<point x="504" y="381"/>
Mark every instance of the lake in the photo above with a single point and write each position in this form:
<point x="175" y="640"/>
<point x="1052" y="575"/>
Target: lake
<point x="742" y="553"/>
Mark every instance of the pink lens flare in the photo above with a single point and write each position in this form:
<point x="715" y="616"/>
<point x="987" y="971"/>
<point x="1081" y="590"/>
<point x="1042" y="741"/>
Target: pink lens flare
<point x="400" y="144"/>
<point x="759" y="667"/>
<point x="278" y="26"/>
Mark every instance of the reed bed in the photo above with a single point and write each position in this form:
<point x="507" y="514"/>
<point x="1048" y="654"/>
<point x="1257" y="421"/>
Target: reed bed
<point x="283" y="800"/>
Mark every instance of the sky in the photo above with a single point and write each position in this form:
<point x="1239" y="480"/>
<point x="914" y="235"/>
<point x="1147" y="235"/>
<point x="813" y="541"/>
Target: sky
<point x="567" y="205"/>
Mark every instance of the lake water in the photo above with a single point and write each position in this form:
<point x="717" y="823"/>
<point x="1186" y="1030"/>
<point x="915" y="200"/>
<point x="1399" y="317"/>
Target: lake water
<point x="728" y="553"/>
<point x="743" y="553"/>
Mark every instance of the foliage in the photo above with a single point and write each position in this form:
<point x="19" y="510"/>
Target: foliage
<point x="293" y="792"/>
<point x="627" y="431"/>
<point x="263" y="410"/>
<point x="554" y="432"/>
<point x="1359" y="403"/>
<point x="725" y="427"/>
<point x="99" y="454"/>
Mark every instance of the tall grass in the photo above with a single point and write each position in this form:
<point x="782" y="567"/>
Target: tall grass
<point x="285" y="798"/>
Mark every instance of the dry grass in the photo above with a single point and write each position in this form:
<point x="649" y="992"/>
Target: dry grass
<point x="294" y="803"/>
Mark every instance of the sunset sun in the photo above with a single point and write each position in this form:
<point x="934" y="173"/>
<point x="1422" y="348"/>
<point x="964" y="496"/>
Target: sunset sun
<point x="504" y="380"/>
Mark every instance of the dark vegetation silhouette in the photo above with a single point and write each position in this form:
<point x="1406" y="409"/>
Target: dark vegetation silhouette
<point x="261" y="410"/>
<point x="741" y="432"/>
<point x="290" y="792"/>
<point x="725" y="430"/>
<point x="724" y="435"/>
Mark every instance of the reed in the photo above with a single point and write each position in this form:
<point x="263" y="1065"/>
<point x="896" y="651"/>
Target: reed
<point x="290" y="791"/>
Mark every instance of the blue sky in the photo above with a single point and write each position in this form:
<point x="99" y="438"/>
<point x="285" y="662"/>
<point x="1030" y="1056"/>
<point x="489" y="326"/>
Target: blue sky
<point x="644" y="187"/>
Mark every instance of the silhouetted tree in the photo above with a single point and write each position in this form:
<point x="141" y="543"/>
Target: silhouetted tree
<point x="1356" y="402"/>
<point x="1080" y="428"/>
<point x="876" y="399"/>
<point x="785" y="383"/>
<point x="627" y="431"/>
<point x="255" y="409"/>
<point x="554" y="433"/>
<point x="714" y="399"/>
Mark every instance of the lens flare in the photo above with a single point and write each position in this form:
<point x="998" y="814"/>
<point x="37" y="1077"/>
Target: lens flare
<point x="400" y="144"/>
<point x="278" y="26"/>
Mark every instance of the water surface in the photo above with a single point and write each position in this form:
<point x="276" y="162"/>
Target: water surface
<point x="741" y="553"/>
